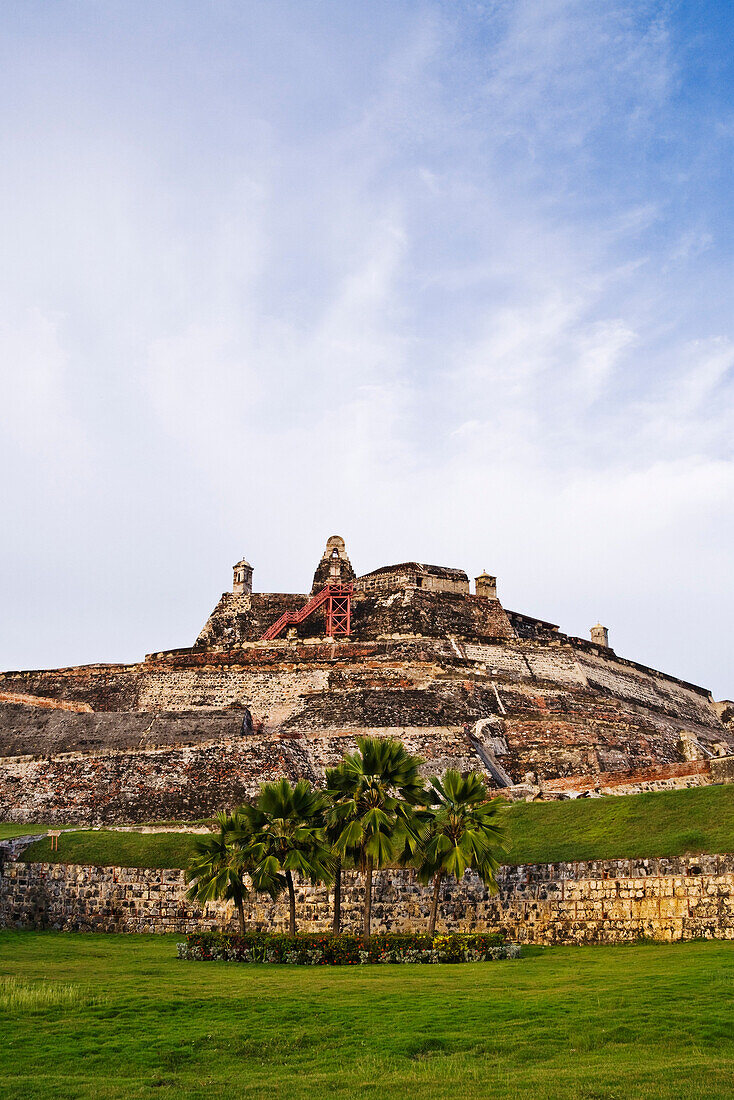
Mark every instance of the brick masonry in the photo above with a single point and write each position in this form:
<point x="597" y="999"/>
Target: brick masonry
<point x="609" y="902"/>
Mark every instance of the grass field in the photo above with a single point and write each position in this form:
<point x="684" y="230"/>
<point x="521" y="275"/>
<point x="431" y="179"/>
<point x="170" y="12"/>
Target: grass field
<point x="665" y="823"/>
<point x="108" y="1017"/>
<point x="107" y="848"/>
<point x="660" y="823"/>
<point x="9" y="830"/>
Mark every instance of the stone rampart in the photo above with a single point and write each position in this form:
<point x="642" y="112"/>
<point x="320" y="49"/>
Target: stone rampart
<point x="161" y="737"/>
<point x="613" y="901"/>
<point x="43" y="702"/>
<point x="185" y="782"/>
<point x="692" y="773"/>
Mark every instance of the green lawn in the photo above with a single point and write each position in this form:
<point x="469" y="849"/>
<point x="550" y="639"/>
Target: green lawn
<point x="660" y="823"/>
<point x="122" y="1017"/>
<point x="107" y="848"/>
<point x="665" y="823"/>
<point x="9" y="829"/>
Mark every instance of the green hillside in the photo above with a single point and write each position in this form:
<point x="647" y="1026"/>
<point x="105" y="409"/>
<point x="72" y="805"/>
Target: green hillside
<point x="664" y="823"/>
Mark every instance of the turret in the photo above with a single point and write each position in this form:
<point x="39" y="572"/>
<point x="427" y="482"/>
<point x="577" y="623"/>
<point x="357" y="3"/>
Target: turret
<point x="486" y="586"/>
<point x="600" y="635"/>
<point x="335" y="566"/>
<point x="242" y="578"/>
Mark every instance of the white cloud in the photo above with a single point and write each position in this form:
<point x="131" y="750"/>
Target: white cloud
<point x="422" y="274"/>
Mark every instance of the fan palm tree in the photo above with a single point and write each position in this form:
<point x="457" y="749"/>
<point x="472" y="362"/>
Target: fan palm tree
<point x="333" y="828"/>
<point x="332" y="831"/>
<point x="374" y="792"/>
<point x="285" y="828"/>
<point x="462" y="831"/>
<point x="220" y="865"/>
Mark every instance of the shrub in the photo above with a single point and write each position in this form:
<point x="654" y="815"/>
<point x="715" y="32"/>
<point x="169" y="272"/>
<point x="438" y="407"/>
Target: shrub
<point x="314" y="949"/>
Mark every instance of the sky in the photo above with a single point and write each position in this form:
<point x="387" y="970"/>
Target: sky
<point x="450" y="279"/>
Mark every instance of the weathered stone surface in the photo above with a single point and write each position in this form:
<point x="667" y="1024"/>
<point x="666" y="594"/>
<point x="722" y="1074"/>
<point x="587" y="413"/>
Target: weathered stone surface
<point x="613" y="901"/>
<point x="413" y="575"/>
<point x="430" y="664"/>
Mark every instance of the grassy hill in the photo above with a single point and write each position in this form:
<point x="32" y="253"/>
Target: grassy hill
<point x="664" y="823"/>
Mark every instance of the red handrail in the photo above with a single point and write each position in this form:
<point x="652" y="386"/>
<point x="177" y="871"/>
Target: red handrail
<point x="331" y="592"/>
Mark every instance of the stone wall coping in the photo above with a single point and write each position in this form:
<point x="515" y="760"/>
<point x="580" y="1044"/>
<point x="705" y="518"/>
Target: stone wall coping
<point x="644" y="868"/>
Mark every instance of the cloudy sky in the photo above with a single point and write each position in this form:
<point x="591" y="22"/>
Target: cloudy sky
<point x="451" y="279"/>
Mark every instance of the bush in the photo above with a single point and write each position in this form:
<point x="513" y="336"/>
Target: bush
<point x="312" y="949"/>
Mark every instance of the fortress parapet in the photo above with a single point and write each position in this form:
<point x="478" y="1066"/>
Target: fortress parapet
<point x="411" y="574"/>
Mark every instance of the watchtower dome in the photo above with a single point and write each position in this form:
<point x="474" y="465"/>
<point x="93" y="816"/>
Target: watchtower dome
<point x="242" y="578"/>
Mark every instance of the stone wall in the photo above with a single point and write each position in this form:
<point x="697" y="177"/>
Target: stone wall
<point x="103" y="687"/>
<point x="162" y="737"/>
<point x="564" y="903"/>
<point x="43" y="702"/>
<point x="411" y="574"/>
<point x="244" y="617"/>
<point x="117" y="787"/>
<point x="692" y="773"/>
<point x="186" y="782"/>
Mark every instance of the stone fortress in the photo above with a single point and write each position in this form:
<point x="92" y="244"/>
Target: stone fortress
<point x="282" y="684"/>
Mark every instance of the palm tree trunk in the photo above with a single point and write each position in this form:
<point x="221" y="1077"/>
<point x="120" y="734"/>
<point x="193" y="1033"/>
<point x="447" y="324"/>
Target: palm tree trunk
<point x="337" y="924"/>
<point x="241" y="913"/>
<point x="291" y="904"/>
<point x="434" y="904"/>
<point x="367" y="898"/>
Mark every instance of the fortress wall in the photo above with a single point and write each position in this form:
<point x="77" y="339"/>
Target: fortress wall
<point x="189" y="782"/>
<point x="614" y="901"/>
<point x="182" y="783"/>
<point x="43" y="702"/>
<point x="423" y="690"/>
<point x="103" y="687"/>
<point x="569" y="667"/>
<point x="245" y="617"/>
<point x="272" y="693"/>
<point x="24" y="731"/>
<point x="504" y="662"/>
<point x="553" y="664"/>
<point x="440" y="747"/>
<point x="690" y="773"/>
<point x="430" y="615"/>
<point x="445" y="703"/>
<point x="647" y="688"/>
<point x="184" y="679"/>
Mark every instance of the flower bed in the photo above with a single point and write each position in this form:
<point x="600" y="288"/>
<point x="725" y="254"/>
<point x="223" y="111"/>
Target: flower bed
<point x="326" y="950"/>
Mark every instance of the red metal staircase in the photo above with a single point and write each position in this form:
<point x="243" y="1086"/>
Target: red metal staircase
<point x="337" y="597"/>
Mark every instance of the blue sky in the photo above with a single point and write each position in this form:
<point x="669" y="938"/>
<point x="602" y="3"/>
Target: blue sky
<point x="453" y="280"/>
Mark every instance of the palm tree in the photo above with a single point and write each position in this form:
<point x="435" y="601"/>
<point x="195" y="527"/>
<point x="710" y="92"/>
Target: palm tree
<point x="286" y="835"/>
<point x="220" y="864"/>
<point x="463" y="832"/>
<point x="373" y="792"/>
<point x="333" y="829"/>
